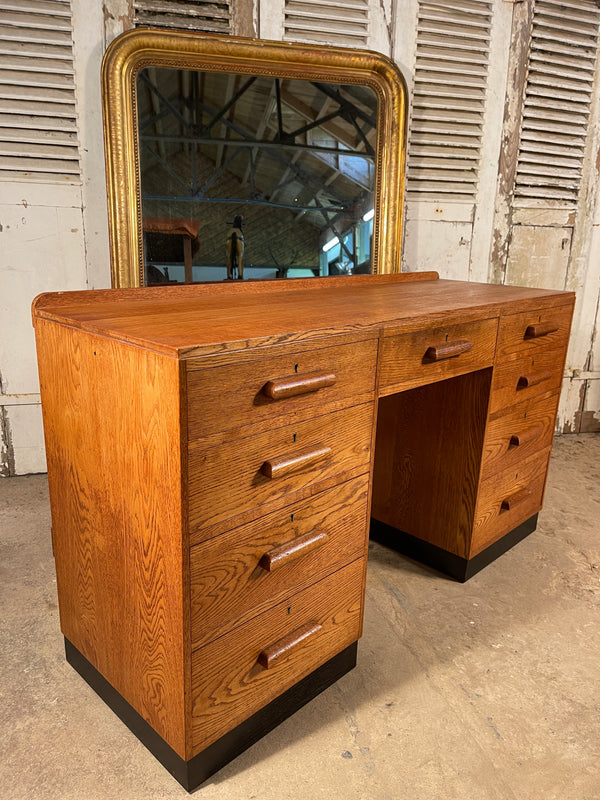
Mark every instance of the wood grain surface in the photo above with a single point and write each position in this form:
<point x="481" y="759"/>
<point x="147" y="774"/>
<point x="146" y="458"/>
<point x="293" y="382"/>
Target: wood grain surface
<point x="231" y="397"/>
<point x="228" y="682"/>
<point x="513" y="327"/>
<point x="543" y="369"/>
<point x="427" y="459"/>
<point x="518" y="432"/>
<point x="112" y="429"/>
<point x="192" y="320"/>
<point x="406" y="359"/>
<point x="229" y="587"/>
<point x="227" y="480"/>
<point x="129" y="376"/>
<point x="526" y="480"/>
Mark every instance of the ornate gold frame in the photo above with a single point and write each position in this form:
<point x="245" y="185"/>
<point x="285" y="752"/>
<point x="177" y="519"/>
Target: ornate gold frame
<point x="146" y="47"/>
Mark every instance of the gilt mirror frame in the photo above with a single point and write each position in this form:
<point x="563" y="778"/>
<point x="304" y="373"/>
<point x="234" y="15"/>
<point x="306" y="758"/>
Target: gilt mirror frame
<point x="146" y="47"/>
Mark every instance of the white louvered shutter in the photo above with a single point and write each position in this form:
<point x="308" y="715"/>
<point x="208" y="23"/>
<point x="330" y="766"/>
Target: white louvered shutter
<point x="557" y="101"/>
<point x="212" y="16"/>
<point x="449" y="95"/>
<point x="327" y="22"/>
<point x="38" y="120"/>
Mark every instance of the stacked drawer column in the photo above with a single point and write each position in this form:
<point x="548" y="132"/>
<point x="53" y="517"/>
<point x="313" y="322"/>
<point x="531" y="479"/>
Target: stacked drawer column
<point x="530" y="357"/>
<point x="278" y="492"/>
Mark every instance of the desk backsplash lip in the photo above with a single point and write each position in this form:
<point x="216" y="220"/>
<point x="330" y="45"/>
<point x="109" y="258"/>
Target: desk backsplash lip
<point x="391" y="321"/>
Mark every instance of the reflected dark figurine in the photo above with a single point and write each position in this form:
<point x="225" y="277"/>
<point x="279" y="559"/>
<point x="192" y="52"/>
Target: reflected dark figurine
<point x="235" y="250"/>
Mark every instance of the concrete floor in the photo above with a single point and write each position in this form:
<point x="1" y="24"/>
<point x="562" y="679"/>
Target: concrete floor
<point x="486" y="691"/>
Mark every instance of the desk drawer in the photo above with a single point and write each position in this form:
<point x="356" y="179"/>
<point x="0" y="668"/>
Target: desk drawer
<point x="237" y="476"/>
<point x="532" y="330"/>
<point x="236" y="675"/>
<point x="239" y="574"/>
<point x="430" y="355"/>
<point x="518" y="433"/>
<point x="507" y="499"/>
<point x="297" y="384"/>
<point x="525" y="375"/>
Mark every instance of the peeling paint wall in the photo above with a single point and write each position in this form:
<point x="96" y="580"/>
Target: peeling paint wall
<point x="54" y="237"/>
<point x="551" y="243"/>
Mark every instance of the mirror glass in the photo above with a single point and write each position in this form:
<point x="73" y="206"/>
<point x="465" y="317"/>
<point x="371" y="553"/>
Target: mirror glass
<point x="250" y="176"/>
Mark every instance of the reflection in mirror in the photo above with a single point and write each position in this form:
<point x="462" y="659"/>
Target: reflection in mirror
<point x="247" y="176"/>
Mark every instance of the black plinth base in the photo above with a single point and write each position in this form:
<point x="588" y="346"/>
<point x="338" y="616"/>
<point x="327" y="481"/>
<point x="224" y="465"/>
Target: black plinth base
<point x="192" y="773"/>
<point x="459" y="568"/>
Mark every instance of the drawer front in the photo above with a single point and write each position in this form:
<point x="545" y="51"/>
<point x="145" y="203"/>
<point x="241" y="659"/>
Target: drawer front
<point x="297" y="385"/>
<point x="522" y="376"/>
<point x="507" y="499"/>
<point x="240" y="475"/>
<point x="239" y="673"/>
<point x="531" y="330"/>
<point x="519" y="432"/>
<point x="427" y="356"/>
<point x="239" y="574"/>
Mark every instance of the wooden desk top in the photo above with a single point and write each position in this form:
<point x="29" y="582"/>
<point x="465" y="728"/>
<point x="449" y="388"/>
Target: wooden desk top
<point x="186" y="321"/>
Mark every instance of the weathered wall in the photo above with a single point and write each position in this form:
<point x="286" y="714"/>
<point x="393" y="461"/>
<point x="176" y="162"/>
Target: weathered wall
<point x="52" y="237"/>
<point x="55" y="237"/>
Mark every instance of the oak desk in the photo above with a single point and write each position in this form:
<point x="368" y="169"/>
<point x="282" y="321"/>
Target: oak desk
<point x="213" y="454"/>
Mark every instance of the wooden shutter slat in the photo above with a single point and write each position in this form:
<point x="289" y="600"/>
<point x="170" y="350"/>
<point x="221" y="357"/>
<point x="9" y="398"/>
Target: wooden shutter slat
<point x="212" y="16"/>
<point x="35" y="135"/>
<point x="551" y="148"/>
<point x="35" y="36"/>
<point x="464" y="8"/>
<point x="62" y="167"/>
<point x="312" y="20"/>
<point x="217" y="10"/>
<point x="42" y="109"/>
<point x="557" y="100"/>
<point x="30" y="21"/>
<point x="576" y="12"/>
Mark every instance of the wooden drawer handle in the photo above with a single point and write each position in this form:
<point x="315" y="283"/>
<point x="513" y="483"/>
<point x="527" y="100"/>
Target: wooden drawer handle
<point x="278" y="467"/>
<point x="526" y="381"/>
<point x="298" y="384"/>
<point x="438" y="352"/>
<point x="519" y="439"/>
<point x="514" y="500"/>
<point x="288" y="551"/>
<point x="540" y="329"/>
<point x="272" y="655"/>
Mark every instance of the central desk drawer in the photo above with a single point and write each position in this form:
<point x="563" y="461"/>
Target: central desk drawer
<point x="297" y="384"/>
<point x="430" y="355"/>
<point x="241" y="573"/>
<point x="237" y="476"/>
<point x="236" y="675"/>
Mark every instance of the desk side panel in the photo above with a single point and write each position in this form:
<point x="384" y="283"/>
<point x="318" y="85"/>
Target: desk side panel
<point x="112" y="429"/>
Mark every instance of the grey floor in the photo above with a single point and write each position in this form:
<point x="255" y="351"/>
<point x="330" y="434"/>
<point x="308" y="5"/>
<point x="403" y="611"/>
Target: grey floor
<point x="484" y="690"/>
